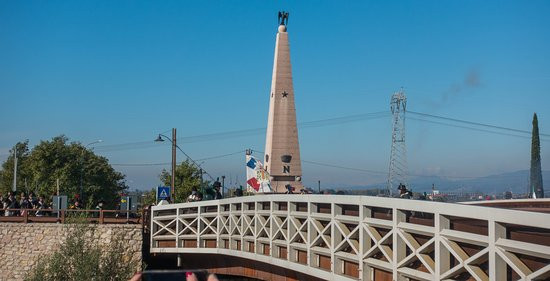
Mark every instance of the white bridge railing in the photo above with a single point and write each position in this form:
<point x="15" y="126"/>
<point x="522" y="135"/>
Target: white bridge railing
<point x="360" y="237"/>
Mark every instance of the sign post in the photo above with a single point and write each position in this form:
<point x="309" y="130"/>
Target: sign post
<point x="59" y="203"/>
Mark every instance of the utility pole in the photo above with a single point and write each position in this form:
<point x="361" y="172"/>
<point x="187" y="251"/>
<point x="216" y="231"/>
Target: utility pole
<point x="14" y="188"/>
<point x="319" y="186"/>
<point x="173" y="177"/>
<point x="223" y="186"/>
<point x="173" y="184"/>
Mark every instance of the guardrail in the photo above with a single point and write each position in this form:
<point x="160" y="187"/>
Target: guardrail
<point x="61" y="216"/>
<point x="538" y="205"/>
<point x="361" y="237"/>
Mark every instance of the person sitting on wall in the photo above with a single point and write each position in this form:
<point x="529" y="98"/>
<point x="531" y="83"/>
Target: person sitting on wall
<point x="289" y="189"/>
<point x="403" y="192"/>
<point x="193" y="196"/>
<point x="239" y="191"/>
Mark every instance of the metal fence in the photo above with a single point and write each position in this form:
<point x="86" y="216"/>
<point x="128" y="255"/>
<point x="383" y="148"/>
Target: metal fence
<point x="360" y="237"/>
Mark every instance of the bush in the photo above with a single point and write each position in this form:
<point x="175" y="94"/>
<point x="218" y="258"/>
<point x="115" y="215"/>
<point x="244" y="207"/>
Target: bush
<point x="82" y="257"/>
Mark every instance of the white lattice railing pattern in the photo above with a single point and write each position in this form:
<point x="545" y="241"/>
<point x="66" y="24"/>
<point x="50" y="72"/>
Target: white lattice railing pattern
<point x="338" y="237"/>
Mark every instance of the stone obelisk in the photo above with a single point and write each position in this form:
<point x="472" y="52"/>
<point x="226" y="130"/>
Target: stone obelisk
<point x="282" y="151"/>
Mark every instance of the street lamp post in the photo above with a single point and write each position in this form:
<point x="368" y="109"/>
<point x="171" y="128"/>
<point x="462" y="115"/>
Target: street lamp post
<point x="14" y="188"/>
<point x="82" y="169"/>
<point x="172" y="177"/>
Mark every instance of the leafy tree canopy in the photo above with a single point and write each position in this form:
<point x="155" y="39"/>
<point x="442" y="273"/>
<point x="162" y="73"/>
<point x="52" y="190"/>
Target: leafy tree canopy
<point x="39" y="169"/>
<point x="23" y="173"/>
<point x="187" y="176"/>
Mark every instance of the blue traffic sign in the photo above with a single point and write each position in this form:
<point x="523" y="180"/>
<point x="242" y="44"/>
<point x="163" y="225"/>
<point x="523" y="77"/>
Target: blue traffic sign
<point x="163" y="192"/>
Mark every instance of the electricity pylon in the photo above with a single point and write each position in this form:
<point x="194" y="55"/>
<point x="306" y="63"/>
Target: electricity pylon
<point x="398" y="159"/>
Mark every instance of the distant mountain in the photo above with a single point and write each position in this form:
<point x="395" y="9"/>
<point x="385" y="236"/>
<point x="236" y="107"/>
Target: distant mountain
<point x="517" y="182"/>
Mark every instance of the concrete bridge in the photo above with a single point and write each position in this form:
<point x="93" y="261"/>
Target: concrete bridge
<point x="338" y="237"/>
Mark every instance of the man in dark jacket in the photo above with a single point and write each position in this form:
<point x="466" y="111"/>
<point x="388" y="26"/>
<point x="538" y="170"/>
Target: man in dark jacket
<point x="24" y="202"/>
<point x="41" y="205"/>
<point x="218" y="194"/>
<point x="13" y="205"/>
<point x="32" y="199"/>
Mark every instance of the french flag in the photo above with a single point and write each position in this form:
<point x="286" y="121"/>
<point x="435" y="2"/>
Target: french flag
<point x="251" y="163"/>
<point x="254" y="183"/>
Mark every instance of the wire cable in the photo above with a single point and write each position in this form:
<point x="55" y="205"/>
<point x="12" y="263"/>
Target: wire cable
<point x="370" y="171"/>
<point x="140" y="164"/>
<point x="245" y="132"/>
<point x="473" y="123"/>
<point x="167" y="163"/>
<point x="470" y="128"/>
<point x="221" y="156"/>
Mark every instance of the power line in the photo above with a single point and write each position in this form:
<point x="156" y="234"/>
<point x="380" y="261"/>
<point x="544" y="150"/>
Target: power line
<point x="345" y="168"/>
<point x="370" y="171"/>
<point x="319" y="123"/>
<point x="473" y="123"/>
<point x="465" y="127"/>
<point x="305" y="161"/>
<point x="472" y="128"/>
<point x="220" y="156"/>
<point x="167" y="163"/>
<point x="378" y="172"/>
<point x="194" y="162"/>
<point x="140" y="164"/>
<point x="245" y="132"/>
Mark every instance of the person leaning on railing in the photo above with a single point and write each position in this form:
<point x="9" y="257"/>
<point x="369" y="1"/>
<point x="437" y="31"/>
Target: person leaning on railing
<point x="40" y="206"/>
<point x="76" y="206"/>
<point x="5" y="204"/>
<point x="13" y="205"/>
<point x="24" y="203"/>
<point x="32" y="199"/>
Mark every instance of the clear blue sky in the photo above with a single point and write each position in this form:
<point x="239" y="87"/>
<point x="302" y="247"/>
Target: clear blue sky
<point x="123" y="71"/>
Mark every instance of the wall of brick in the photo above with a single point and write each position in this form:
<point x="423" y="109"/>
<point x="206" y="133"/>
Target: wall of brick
<point x="21" y="245"/>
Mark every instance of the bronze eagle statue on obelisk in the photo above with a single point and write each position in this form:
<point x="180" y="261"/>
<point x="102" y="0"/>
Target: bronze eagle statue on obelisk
<point x="283" y="18"/>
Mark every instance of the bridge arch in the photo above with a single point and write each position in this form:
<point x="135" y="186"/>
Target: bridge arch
<point x="339" y="237"/>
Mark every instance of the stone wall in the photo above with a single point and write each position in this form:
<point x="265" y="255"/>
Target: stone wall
<point x="21" y="245"/>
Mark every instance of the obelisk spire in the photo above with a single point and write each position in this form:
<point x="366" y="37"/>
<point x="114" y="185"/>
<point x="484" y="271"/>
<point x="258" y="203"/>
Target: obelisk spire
<point x="282" y="150"/>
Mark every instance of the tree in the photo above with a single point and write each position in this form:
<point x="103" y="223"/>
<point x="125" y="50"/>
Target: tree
<point x="83" y="257"/>
<point x="187" y="176"/>
<point x="149" y="197"/>
<point x="535" y="177"/>
<point x="6" y="174"/>
<point x="70" y="163"/>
